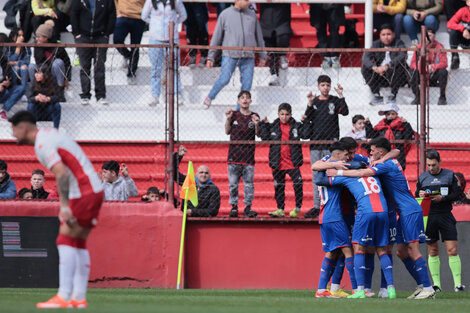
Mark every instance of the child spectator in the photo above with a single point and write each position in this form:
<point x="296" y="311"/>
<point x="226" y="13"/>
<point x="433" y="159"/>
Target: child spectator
<point x="43" y="98"/>
<point x="117" y="187"/>
<point x="153" y="194"/>
<point x="359" y="127"/>
<point x="7" y="185"/>
<point x="159" y="14"/>
<point x="37" y="185"/>
<point x="52" y="59"/>
<point x="322" y="119"/>
<point x="242" y="125"/>
<point x="25" y="194"/>
<point x="459" y="26"/>
<point x="285" y="159"/>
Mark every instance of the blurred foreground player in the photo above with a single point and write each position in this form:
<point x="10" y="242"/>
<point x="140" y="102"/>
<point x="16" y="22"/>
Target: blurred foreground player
<point x="81" y="196"/>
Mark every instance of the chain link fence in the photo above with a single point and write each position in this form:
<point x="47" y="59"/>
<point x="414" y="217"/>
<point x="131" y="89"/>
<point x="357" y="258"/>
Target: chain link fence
<point x="133" y="128"/>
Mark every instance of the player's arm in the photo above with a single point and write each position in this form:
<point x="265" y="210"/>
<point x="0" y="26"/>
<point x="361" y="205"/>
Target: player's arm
<point x="323" y="166"/>
<point x="351" y="173"/>
<point x="389" y="155"/>
<point x="63" y="186"/>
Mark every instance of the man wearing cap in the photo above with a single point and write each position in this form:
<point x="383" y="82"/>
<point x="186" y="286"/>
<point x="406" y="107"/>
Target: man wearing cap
<point x="393" y="127"/>
<point x="53" y="59"/>
<point x="383" y="69"/>
<point x="437" y="64"/>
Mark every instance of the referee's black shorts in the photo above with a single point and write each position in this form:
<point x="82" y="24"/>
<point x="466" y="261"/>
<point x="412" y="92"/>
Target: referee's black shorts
<point x="443" y="224"/>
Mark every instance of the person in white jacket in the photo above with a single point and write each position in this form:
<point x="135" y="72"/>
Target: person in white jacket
<point x="115" y="186"/>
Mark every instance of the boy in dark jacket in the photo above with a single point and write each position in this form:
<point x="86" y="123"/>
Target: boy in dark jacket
<point x="285" y="159"/>
<point x="208" y="193"/>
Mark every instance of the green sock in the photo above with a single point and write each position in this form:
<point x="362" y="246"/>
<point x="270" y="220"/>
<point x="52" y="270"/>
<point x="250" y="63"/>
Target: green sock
<point x="435" y="268"/>
<point x="456" y="268"/>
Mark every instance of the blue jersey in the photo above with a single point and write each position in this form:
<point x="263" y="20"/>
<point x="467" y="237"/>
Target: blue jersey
<point x="396" y="187"/>
<point x="330" y="204"/>
<point x="357" y="157"/>
<point x="366" y="190"/>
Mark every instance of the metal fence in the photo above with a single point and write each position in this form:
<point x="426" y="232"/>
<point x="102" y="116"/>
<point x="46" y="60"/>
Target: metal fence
<point x="133" y="116"/>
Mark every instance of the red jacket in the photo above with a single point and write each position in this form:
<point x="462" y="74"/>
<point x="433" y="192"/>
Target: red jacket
<point x="461" y="17"/>
<point x="437" y="59"/>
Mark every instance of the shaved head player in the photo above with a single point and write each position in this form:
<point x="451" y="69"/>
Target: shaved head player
<point x="81" y="196"/>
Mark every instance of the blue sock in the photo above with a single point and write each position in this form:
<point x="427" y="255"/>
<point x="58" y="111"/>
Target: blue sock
<point x="338" y="273"/>
<point x="352" y="275"/>
<point x="410" y="266"/>
<point x="369" y="270"/>
<point x="422" y="272"/>
<point x="360" y="268"/>
<point x="387" y="268"/>
<point x="327" y="268"/>
<point x="383" y="281"/>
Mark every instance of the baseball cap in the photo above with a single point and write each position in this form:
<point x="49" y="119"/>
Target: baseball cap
<point x="389" y="107"/>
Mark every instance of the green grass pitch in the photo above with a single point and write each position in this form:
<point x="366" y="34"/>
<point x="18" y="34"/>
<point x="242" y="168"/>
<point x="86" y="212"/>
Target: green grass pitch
<point x="227" y="301"/>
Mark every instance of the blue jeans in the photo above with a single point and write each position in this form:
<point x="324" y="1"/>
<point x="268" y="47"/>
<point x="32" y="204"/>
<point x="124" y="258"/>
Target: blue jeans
<point x="57" y="71"/>
<point x="157" y="58"/>
<point x="49" y="113"/>
<point x="235" y="172"/>
<point x="413" y="27"/>
<point x="123" y="27"/>
<point x="246" y="66"/>
<point x="10" y="96"/>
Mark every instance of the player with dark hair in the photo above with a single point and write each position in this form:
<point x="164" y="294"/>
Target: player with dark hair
<point x="81" y="196"/>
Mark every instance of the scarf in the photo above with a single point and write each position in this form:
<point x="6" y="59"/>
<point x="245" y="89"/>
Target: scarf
<point x="396" y="125"/>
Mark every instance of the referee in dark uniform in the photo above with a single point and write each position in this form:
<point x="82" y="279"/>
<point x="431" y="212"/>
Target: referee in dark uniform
<point x="441" y="185"/>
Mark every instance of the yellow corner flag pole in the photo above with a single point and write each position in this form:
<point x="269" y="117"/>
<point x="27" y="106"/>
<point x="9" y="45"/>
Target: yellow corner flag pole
<point x="188" y="192"/>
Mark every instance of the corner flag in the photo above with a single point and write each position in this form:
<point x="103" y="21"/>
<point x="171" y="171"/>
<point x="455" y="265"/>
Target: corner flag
<point x="189" y="190"/>
<point x="425" y="205"/>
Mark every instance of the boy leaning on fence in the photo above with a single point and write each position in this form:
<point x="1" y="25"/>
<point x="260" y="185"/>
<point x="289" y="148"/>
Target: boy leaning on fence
<point x="285" y="159"/>
<point x="242" y="125"/>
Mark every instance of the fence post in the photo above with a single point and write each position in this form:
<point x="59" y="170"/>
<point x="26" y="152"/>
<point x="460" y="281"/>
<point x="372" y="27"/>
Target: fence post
<point x="171" y="112"/>
<point x="423" y="73"/>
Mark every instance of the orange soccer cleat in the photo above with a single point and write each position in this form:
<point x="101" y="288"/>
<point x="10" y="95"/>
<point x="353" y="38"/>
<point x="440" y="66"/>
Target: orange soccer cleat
<point x="325" y="294"/>
<point x="56" y="302"/>
<point x="79" y="304"/>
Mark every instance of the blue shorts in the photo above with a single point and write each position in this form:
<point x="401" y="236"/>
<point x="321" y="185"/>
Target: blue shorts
<point x="412" y="226"/>
<point x="371" y="229"/>
<point x="392" y="228"/>
<point x="335" y="235"/>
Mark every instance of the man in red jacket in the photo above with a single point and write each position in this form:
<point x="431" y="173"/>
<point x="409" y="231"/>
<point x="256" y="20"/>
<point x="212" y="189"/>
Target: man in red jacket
<point x="437" y="64"/>
<point x="459" y="26"/>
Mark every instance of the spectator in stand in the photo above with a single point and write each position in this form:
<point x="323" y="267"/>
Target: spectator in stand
<point x="11" y="88"/>
<point x="237" y="26"/>
<point x="7" y="186"/>
<point x="322" y="119"/>
<point x="37" y="185"/>
<point x="93" y="22"/>
<point x="43" y="10"/>
<point x="64" y="8"/>
<point x="153" y="194"/>
<point x="359" y="127"/>
<point x="242" y="125"/>
<point x="117" y="187"/>
<point x="328" y="17"/>
<point x="452" y="6"/>
<point x="437" y="69"/>
<point x="51" y="59"/>
<point x="393" y="127"/>
<point x="18" y="58"/>
<point x="275" y="23"/>
<point x="159" y="14"/>
<point x="285" y="159"/>
<point x="208" y="193"/>
<point x="421" y="12"/>
<point x="391" y="13"/>
<point x="128" y="20"/>
<point x="459" y="26"/>
<point x="43" y="98"/>
<point x="196" y="31"/>
<point x="25" y="194"/>
<point x="383" y="69"/>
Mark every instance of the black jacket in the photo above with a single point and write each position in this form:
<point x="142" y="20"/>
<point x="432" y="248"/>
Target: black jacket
<point x="275" y="17"/>
<point x="85" y="23"/>
<point x="57" y="53"/>
<point x="208" y="194"/>
<point x="39" y="193"/>
<point x="272" y="131"/>
<point x="375" y="58"/>
<point x="30" y="94"/>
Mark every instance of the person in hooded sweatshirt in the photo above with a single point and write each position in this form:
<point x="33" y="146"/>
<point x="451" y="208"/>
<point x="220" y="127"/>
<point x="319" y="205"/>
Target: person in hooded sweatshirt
<point x="7" y="186"/>
<point x="117" y="187"/>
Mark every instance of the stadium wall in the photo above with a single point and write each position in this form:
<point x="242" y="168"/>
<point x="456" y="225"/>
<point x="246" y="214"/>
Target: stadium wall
<point x="136" y="245"/>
